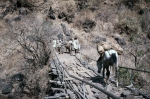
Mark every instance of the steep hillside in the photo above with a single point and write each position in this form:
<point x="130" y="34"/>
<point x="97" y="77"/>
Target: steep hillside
<point x="28" y="26"/>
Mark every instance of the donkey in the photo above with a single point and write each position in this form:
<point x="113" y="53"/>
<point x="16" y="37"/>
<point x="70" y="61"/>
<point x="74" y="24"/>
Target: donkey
<point x="107" y="59"/>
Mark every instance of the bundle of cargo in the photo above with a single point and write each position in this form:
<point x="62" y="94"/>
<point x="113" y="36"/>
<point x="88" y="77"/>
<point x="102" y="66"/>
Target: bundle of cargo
<point x="104" y="46"/>
<point x="117" y="48"/>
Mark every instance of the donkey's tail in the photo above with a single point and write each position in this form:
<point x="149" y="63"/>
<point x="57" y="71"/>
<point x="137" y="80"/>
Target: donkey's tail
<point x="114" y="62"/>
<point x="114" y="58"/>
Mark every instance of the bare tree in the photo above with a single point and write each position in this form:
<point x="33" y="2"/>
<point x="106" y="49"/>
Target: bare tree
<point x="34" y="40"/>
<point x="138" y="48"/>
<point x="36" y="51"/>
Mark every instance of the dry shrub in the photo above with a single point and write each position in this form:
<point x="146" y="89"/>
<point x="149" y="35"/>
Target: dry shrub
<point x="39" y="80"/>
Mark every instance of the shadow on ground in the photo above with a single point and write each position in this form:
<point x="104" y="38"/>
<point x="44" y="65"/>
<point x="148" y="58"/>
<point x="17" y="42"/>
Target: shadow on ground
<point x="97" y="79"/>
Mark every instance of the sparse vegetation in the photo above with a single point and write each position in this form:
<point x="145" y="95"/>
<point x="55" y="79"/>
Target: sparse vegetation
<point x="34" y="42"/>
<point x="124" y="77"/>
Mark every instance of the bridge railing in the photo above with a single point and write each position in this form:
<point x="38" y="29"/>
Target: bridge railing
<point x="89" y="83"/>
<point x="131" y="73"/>
<point x="131" y="70"/>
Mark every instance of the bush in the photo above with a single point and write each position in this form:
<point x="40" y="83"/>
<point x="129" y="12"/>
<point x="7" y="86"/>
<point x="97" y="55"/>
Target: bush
<point x="124" y="76"/>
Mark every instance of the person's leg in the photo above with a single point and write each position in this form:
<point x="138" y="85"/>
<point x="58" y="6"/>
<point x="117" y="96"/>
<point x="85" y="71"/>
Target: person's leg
<point x="107" y="74"/>
<point x="59" y="50"/>
<point x="69" y="50"/>
<point x="75" y="51"/>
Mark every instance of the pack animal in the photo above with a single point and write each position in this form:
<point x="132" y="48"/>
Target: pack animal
<point x="68" y="47"/>
<point x="109" y="58"/>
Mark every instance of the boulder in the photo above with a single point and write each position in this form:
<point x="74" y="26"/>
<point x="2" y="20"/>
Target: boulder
<point x="6" y="89"/>
<point x="18" y="77"/>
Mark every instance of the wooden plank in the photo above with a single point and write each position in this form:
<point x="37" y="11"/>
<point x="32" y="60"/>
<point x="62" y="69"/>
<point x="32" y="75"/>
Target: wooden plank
<point x="66" y="74"/>
<point x="83" y="74"/>
<point x="93" y="73"/>
<point x="90" y="74"/>
<point x="90" y="97"/>
<point x="74" y="74"/>
<point x="89" y="91"/>
<point x="81" y="71"/>
<point x="74" y="69"/>
<point x="81" y="68"/>
<point x="80" y="89"/>
<point x="75" y="87"/>
<point x="79" y="64"/>
<point x="69" y="78"/>
<point x="95" y="90"/>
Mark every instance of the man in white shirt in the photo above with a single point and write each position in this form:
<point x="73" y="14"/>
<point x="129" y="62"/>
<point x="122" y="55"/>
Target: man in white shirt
<point x="59" y="45"/>
<point x="54" y="43"/>
<point x="76" y="44"/>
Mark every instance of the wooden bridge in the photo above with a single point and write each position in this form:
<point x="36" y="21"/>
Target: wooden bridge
<point x="72" y="78"/>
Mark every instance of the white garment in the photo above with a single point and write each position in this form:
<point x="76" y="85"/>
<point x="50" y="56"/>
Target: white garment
<point x="59" y="43"/>
<point x="70" y="42"/>
<point x="76" y="44"/>
<point x="54" y="43"/>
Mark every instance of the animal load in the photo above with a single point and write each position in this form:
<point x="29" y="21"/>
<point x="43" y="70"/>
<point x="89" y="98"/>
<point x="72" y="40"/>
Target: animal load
<point x="104" y="46"/>
<point x="117" y="48"/>
<point x="100" y="49"/>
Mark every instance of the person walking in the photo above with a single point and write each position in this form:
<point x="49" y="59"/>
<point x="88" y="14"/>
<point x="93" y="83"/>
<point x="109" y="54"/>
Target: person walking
<point x="54" y="43"/>
<point x="59" y="45"/>
<point x="71" y="48"/>
<point x="76" y="44"/>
